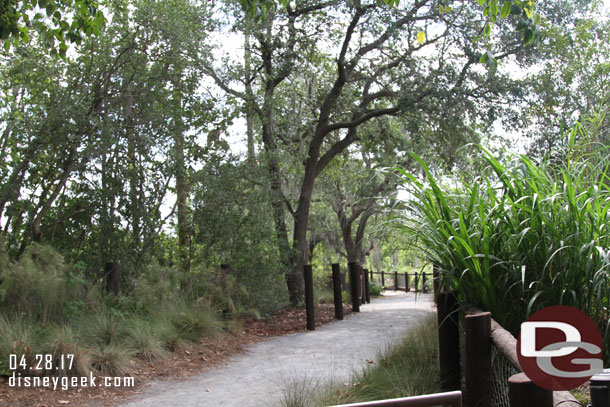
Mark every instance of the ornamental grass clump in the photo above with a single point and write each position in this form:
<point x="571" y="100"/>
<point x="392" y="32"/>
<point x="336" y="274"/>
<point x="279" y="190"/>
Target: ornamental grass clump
<point x="522" y="235"/>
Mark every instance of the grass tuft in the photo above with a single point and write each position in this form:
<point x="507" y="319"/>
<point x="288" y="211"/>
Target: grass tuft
<point x="112" y="360"/>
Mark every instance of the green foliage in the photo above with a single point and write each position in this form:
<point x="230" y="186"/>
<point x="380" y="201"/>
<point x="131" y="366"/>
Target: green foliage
<point x="193" y="320"/>
<point x="146" y="339"/>
<point x="41" y="286"/>
<point x="18" y="337"/>
<point x="57" y="22"/>
<point x="112" y="360"/>
<point x="375" y="289"/>
<point x="65" y="340"/>
<point x="522" y="236"/>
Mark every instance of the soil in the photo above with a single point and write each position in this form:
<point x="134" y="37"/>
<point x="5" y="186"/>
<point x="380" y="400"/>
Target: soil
<point x="196" y="358"/>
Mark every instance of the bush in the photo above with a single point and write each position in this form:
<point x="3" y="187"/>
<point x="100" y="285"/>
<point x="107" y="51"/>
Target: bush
<point x="112" y="360"/>
<point x="65" y="340"/>
<point x="18" y="337"/>
<point x="40" y="286"/>
<point x="146" y="339"/>
<point x="375" y="290"/>
<point x="522" y="236"/>
<point x="193" y="321"/>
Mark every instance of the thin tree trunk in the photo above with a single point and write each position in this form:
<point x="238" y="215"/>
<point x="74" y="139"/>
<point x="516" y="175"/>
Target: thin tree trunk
<point x="181" y="204"/>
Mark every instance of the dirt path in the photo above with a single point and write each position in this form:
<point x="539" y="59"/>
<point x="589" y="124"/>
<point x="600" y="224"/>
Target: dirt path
<point x="336" y="351"/>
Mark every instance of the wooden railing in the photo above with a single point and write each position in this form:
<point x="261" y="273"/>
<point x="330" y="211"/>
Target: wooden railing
<point x="453" y="399"/>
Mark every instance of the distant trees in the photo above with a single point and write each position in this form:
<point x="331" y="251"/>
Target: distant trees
<point x="369" y="61"/>
<point x="93" y="144"/>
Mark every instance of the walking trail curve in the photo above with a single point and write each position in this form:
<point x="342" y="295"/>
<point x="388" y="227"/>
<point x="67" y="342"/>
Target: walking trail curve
<point x="334" y="352"/>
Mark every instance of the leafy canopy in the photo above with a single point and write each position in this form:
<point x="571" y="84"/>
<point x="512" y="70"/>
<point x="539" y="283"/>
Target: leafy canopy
<point x="57" y="22"/>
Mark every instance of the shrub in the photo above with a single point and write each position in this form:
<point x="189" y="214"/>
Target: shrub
<point x="40" y="286"/>
<point x="376" y="290"/>
<point x="65" y="340"/>
<point x="18" y="337"/>
<point x="522" y="236"/>
<point x="146" y="339"/>
<point x="112" y="360"/>
<point x="193" y="321"/>
<point x="102" y="328"/>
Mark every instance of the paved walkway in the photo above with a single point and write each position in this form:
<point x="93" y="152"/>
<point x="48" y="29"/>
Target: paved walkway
<point x="334" y="351"/>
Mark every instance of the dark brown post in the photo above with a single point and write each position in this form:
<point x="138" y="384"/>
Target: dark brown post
<point x="477" y="328"/>
<point x="337" y="291"/>
<point x="361" y="294"/>
<point x="367" y="287"/>
<point x="396" y="281"/>
<point x="416" y="281"/>
<point x="225" y="270"/>
<point x="423" y="282"/>
<point x="522" y="392"/>
<point x="382" y="279"/>
<point x="449" y="341"/>
<point x="354" y="280"/>
<point x="599" y="388"/>
<point x="407" y="286"/>
<point x="371" y="275"/>
<point x="308" y="275"/>
<point x="435" y="279"/>
<point x="111" y="277"/>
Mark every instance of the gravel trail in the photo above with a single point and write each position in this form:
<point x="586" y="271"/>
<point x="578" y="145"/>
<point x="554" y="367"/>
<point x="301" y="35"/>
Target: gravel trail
<point x="334" y="352"/>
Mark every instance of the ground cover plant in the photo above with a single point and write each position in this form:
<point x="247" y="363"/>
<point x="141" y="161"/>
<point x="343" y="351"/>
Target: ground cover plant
<point x="523" y="234"/>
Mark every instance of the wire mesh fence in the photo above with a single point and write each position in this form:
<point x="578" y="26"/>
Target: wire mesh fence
<point x="502" y="369"/>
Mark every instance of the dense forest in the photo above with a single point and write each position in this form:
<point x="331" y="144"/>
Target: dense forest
<point x="149" y="142"/>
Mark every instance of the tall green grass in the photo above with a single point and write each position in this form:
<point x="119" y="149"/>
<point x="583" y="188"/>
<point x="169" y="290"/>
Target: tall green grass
<point x="521" y="235"/>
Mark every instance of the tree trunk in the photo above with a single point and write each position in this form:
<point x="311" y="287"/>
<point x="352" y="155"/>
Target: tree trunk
<point x="249" y="102"/>
<point x="184" y="238"/>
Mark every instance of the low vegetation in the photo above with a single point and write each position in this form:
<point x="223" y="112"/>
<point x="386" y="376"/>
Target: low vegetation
<point x="48" y="308"/>
<point x="407" y="369"/>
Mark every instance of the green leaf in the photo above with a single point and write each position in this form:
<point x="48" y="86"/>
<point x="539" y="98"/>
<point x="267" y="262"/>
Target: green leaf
<point x="505" y="10"/>
<point x="528" y="36"/>
<point x="481" y="2"/>
<point x="484" y="58"/>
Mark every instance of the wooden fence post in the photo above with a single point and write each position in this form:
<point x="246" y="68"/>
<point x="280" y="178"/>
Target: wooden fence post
<point x="367" y="287"/>
<point x="354" y="280"/>
<point x="477" y="328"/>
<point x="225" y="271"/>
<point x="382" y="279"/>
<point x="337" y="291"/>
<point x="396" y="281"/>
<point x="522" y="392"/>
<point x="435" y="280"/>
<point x="416" y="281"/>
<point x="362" y="293"/>
<point x="111" y="277"/>
<point x="407" y="285"/>
<point x="308" y="276"/>
<point x="423" y="283"/>
<point x="449" y="341"/>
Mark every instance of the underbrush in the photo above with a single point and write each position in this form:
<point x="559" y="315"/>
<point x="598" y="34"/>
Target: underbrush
<point x="47" y="308"/>
<point x="411" y="368"/>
